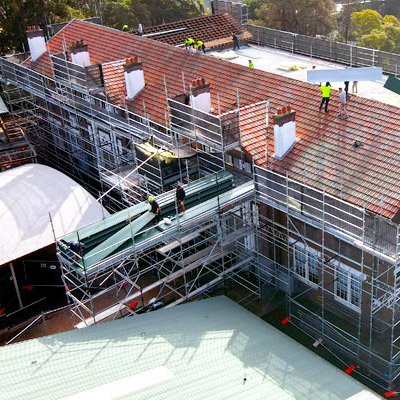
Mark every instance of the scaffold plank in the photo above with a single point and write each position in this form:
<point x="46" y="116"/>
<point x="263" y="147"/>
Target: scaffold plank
<point x="176" y="243"/>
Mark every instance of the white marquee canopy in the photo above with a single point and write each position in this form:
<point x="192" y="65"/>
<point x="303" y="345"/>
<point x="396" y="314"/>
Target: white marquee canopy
<point x="28" y="194"/>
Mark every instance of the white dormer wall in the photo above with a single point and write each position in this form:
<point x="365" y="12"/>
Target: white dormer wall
<point x="81" y="58"/>
<point x="202" y="102"/>
<point x="37" y="45"/>
<point x="284" y="134"/>
<point x="134" y="82"/>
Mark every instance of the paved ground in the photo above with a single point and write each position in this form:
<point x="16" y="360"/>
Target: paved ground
<point x="269" y="59"/>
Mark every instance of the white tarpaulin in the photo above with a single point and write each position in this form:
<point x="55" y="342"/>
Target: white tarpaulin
<point x="343" y="75"/>
<point x="3" y="107"/>
<point x="27" y="195"/>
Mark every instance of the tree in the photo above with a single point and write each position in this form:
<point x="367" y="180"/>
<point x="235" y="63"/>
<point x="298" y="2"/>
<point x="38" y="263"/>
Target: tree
<point x="385" y="32"/>
<point x="117" y="13"/>
<point x="253" y="8"/>
<point x="364" y="22"/>
<point x="307" y="17"/>
<point x="17" y="15"/>
<point x="377" y="39"/>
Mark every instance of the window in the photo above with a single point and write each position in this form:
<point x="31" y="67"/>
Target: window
<point x="348" y="286"/>
<point x="228" y="159"/>
<point x="306" y="263"/>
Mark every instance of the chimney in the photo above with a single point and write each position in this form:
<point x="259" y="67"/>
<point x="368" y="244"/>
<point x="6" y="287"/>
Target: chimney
<point x="200" y="95"/>
<point x="80" y="53"/>
<point x="134" y="77"/>
<point x="36" y="42"/>
<point x="284" y="131"/>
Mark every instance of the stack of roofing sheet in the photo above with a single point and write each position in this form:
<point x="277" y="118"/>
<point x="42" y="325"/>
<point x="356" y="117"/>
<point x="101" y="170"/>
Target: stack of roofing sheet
<point x="114" y="233"/>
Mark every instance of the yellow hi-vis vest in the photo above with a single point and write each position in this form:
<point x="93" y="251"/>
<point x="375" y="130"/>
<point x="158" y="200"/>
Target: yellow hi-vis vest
<point x="189" y="41"/>
<point x="326" y="91"/>
<point x="251" y="65"/>
<point x="199" y="44"/>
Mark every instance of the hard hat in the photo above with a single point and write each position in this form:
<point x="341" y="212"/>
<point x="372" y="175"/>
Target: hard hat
<point x="151" y="199"/>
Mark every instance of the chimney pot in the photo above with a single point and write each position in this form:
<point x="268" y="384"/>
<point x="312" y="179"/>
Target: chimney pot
<point x="283" y="110"/>
<point x="288" y="108"/>
<point x="203" y="80"/>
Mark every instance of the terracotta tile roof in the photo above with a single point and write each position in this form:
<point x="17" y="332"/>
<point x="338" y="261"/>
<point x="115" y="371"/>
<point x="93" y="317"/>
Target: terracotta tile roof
<point x="213" y="30"/>
<point x="324" y="156"/>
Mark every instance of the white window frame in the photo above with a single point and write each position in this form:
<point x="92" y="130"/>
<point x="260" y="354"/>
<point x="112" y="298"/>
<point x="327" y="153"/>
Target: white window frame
<point x="349" y="272"/>
<point x="228" y="159"/>
<point x="306" y="251"/>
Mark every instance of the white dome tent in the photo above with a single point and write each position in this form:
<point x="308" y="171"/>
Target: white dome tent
<point x="28" y="195"/>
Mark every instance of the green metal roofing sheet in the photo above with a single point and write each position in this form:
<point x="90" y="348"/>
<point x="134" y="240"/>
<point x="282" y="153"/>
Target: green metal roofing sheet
<point x="194" y="351"/>
<point x="393" y="84"/>
<point x="114" y="233"/>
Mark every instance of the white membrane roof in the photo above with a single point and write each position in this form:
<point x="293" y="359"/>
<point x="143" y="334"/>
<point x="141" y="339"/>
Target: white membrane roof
<point x="197" y="351"/>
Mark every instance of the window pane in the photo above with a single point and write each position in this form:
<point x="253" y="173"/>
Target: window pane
<point x="341" y="283"/>
<point x="300" y="260"/>
<point x="313" y="268"/>
<point x="355" y="283"/>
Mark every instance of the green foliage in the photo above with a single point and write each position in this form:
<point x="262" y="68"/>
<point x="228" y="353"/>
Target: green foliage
<point x="377" y="39"/>
<point x="391" y="19"/>
<point x="364" y="22"/>
<point x="306" y="17"/>
<point x="117" y="13"/>
<point x="253" y="7"/>
<point x="17" y="15"/>
<point x="371" y="30"/>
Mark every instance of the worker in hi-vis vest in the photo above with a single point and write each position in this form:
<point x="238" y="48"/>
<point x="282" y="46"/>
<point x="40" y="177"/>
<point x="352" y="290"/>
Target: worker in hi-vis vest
<point x="189" y="42"/>
<point x="251" y="65"/>
<point x="200" y="46"/>
<point x="326" y="95"/>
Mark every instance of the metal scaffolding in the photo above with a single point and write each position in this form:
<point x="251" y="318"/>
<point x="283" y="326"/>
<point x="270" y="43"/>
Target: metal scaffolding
<point x="122" y="157"/>
<point x="338" y="265"/>
<point x="201" y="249"/>
<point x="78" y="131"/>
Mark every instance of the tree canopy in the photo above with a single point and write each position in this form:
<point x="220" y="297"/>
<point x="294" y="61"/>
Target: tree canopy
<point x="306" y="17"/>
<point x="377" y="32"/>
<point x="17" y="15"/>
<point x="117" y="13"/>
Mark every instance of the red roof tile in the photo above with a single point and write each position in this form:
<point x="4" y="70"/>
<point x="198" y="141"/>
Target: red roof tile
<point x="324" y="156"/>
<point x="213" y="30"/>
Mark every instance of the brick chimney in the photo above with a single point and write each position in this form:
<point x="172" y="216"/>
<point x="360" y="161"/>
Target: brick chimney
<point x="36" y="42"/>
<point x="80" y="53"/>
<point x="284" y="131"/>
<point x="200" y="96"/>
<point x="134" y="77"/>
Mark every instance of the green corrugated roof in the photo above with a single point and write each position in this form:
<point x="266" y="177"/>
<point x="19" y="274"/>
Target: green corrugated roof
<point x="195" y="351"/>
